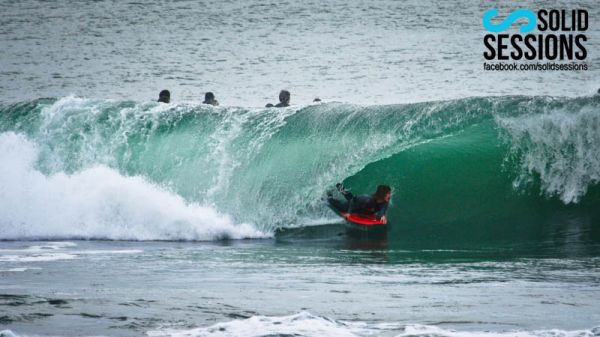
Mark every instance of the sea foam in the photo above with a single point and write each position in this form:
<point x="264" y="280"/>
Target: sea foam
<point x="97" y="203"/>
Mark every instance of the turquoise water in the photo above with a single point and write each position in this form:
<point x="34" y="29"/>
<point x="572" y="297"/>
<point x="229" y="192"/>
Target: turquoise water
<point x="488" y="167"/>
<point x="120" y="216"/>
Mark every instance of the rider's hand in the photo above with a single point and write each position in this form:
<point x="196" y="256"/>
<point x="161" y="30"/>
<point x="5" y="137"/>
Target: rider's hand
<point x="384" y="219"/>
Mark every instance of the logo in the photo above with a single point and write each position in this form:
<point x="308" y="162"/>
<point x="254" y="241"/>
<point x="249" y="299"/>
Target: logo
<point x="554" y="38"/>
<point x="514" y="16"/>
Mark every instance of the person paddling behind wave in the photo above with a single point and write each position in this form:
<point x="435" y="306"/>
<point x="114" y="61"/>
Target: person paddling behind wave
<point x="284" y="100"/>
<point x="209" y="98"/>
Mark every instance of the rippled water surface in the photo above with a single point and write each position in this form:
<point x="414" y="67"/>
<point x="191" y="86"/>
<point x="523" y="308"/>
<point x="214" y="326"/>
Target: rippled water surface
<point x="246" y="51"/>
<point x="331" y="285"/>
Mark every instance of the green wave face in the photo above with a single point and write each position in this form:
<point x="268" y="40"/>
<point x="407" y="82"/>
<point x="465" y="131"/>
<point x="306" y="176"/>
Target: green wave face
<point x="478" y="169"/>
<point x="462" y="192"/>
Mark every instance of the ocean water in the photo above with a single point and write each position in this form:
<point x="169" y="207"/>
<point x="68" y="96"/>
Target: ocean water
<point x="120" y="216"/>
<point x="376" y="52"/>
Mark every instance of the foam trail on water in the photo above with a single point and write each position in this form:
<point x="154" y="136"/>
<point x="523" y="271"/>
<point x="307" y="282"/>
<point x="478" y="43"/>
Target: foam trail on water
<point x="427" y="330"/>
<point x="53" y="251"/>
<point x="302" y="324"/>
<point x="306" y="324"/>
<point x="97" y="203"/>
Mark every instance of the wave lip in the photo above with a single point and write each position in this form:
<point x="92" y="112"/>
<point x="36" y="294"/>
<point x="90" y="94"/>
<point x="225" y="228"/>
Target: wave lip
<point x="97" y="203"/>
<point x="561" y="145"/>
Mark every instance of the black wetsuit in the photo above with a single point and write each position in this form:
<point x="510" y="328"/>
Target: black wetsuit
<point x="362" y="204"/>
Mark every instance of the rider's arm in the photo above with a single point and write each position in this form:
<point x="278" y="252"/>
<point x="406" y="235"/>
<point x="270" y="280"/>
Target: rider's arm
<point x="381" y="213"/>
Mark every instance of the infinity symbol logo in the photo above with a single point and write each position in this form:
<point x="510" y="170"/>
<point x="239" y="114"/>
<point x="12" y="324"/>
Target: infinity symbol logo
<point x="510" y="19"/>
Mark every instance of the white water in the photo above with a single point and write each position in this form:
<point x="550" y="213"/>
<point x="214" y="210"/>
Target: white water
<point x="308" y="325"/>
<point x="97" y="203"/>
<point x="561" y="145"/>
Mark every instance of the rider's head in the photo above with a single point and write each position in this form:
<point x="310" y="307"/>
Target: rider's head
<point x="383" y="193"/>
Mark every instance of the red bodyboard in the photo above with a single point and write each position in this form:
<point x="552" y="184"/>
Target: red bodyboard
<point x="362" y="220"/>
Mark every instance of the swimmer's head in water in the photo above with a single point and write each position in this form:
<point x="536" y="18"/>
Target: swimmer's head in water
<point x="164" y="96"/>
<point x="284" y="96"/>
<point x="209" y="96"/>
